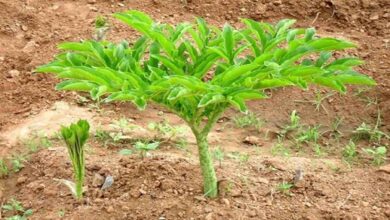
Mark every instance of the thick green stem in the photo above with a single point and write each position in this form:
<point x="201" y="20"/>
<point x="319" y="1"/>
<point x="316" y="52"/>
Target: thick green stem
<point x="79" y="189"/>
<point x="206" y="164"/>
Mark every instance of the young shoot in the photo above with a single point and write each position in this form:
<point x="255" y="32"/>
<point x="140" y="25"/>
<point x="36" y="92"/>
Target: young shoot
<point x="377" y="154"/>
<point x="248" y="120"/>
<point x="17" y="210"/>
<point x="219" y="155"/>
<point x="144" y="148"/>
<point x="285" y="187"/>
<point x="197" y="71"/>
<point x="349" y="152"/>
<point x="165" y="130"/>
<point x="75" y="137"/>
<point x="4" y="171"/>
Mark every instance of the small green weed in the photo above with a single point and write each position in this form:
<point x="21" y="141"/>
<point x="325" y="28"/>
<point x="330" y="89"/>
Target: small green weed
<point x="219" y="155"/>
<point x="144" y="148"/>
<point x="17" y="162"/>
<point x="279" y="149"/>
<point x="4" y="171"/>
<point x="248" y="120"/>
<point x="349" y="152"/>
<point x="165" y="130"/>
<point x="378" y="154"/>
<point x="17" y="210"/>
<point x="285" y="187"/>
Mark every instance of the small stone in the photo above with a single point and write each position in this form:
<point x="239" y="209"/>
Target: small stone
<point x="91" y="1"/>
<point x="252" y="213"/>
<point x="135" y="193"/>
<point x="226" y="202"/>
<point x="24" y="28"/>
<point x="387" y="212"/>
<point x="21" y="180"/>
<point x="209" y="216"/>
<point x="385" y="168"/>
<point x="243" y="9"/>
<point x="253" y="140"/>
<point x="236" y="193"/>
<point x="29" y="47"/>
<point x="143" y="192"/>
<point x="110" y="209"/>
<point x="121" y="4"/>
<point x="98" y="180"/>
<point x="374" y="17"/>
<point x="13" y="73"/>
<point x="208" y="209"/>
<point x="200" y="198"/>
<point x="365" y="204"/>
<point x="108" y="182"/>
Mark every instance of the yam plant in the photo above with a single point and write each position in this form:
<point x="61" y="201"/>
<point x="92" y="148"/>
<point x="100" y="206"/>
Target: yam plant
<point x="197" y="71"/>
<point x="75" y="137"/>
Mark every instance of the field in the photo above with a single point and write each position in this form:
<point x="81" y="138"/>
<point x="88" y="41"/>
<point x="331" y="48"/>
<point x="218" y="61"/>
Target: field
<point x="300" y="154"/>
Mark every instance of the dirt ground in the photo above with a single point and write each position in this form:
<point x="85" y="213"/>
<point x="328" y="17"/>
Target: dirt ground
<point x="167" y="185"/>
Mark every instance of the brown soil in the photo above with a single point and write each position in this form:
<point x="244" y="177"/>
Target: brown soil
<point x="168" y="183"/>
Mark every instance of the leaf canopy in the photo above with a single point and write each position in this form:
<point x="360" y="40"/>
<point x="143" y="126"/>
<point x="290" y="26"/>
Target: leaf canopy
<point x="194" y="69"/>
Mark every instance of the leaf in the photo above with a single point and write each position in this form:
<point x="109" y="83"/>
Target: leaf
<point x="228" y="41"/>
<point x="170" y="64"/>
<point x="210" y="99"/>
<point x="125" y="152"/>
<point x="238" y="103"/>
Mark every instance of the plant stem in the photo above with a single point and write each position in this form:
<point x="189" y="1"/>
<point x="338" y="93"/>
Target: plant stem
<point x="207" y="167"/>
<point x="79" y="189"/>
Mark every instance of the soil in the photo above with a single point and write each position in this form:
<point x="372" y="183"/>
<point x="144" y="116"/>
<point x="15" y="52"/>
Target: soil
<point x="167" y="184"/>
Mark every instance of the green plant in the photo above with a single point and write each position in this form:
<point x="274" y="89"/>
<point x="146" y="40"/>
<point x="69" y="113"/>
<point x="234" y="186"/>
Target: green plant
<point x="318" y="99"/>
<point x="17" y="162"/>
<point x="318" y="150"/>
<point x="293" y="124"/>
<point x="182" y="144"/>
<point x="165" y="130"/>
<point x="197" y="71"/>
<point x="17" y="209"/>
<point x="75" y="137"/>
<point x="285" y="187"/>
<point x="61" y="213"/>
<point x="370" y="133"/>
<point x="248" y="120"/>
<point x="350" y="152"/>
<point x="280" y="149"/>
<point x="378" y="154"/>
<point x="311" y="134"/>
<point x="143" y="148"/>
<point x="4" y="171"/>
<point x="219" y="155"/>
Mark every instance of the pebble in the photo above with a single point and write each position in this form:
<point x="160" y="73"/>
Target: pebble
<point x="110" y="209"/>
<point x="253" y="140"/>
<point x="21" y="180"/>
<point x="98" y="180"/>
<point x="14" y="73"/>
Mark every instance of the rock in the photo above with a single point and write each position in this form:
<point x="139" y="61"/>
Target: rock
<point x="110" y="209"/>
<point x="24" y="28"/>
<point x="262" y="180"/>
<point x="236" y="193"/>
<point x="21" y="180"/>
<point x="209" y="216"/>
<point x="200" y="198"/>
<point x="226" y="202"/>
<point x="29" y="47"/>
<point x="98" y="180"/>
<point x="135" y="193"/>
<point x="253" y="140"/>
<point x="385" y="168"/>
<point x="207" y="209"/>
<point x="91" y="1"/>
<point x="108" y="182"/>
<point x="13" y="73"/>
<point x="143" y="192"/>
<point x="374" y="17"/>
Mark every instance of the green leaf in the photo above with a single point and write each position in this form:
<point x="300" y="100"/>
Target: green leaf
<point x="211" y="99"/>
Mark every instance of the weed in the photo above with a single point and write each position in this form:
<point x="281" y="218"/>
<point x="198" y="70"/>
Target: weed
<point x="248" y="120"/>
<point x="219" y="155"/>
<point x="285" y="187"/>
<point x="367" y="132"/>
<point x="61" y="213"/>
<point x="279" y="149"/>
<point x="311" y="134"/>
<point x="17" y="209"/>
<point x="318" y="150"/>
<point x="165" y="130"/>
<point x="349" y="152"/>
<point x="182" y="144"/>
<point x="17" y="162"/>
<point x="242" y="158"/>
<point x="318" y="99"/>
<point x="144" y="148"/>
<point x="378" y="154"/>
<point x="4" y="171"/>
